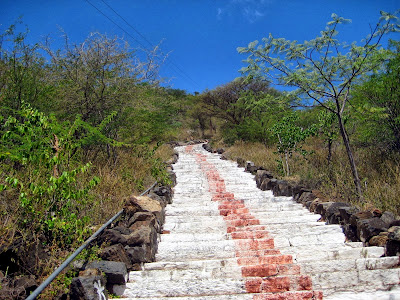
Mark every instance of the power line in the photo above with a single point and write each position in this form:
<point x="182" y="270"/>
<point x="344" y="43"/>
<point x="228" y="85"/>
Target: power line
<point x="141" y="35"/>
<point x="116" y="24"/>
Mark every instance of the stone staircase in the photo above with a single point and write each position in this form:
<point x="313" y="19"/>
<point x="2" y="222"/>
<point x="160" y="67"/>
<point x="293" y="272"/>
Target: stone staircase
<point x="225" y="239"/>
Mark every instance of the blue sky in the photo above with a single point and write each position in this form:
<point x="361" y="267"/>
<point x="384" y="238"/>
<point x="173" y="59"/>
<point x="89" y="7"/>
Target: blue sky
<point x="201" y="36"/>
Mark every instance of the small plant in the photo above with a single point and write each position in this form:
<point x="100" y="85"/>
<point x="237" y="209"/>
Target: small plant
<point x="290" y="136"/>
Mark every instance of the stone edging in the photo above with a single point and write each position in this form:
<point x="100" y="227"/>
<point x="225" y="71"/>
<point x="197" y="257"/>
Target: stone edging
<point x="372" y="228"/>
<point x="131" y="241"/>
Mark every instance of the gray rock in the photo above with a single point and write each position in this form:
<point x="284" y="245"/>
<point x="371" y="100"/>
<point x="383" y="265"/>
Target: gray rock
<point x="112" y="236"/>
<point x="346" y="212"/>
<point x="142" y="235"/>
<point x="379" y="240"/>
<point x="351" y="232"/>
<point x="116" y="272"/>
<point x="241" y="162"/>
<point x="394" y="233"/>
<point x="306" y="196"/>
<point x="282" y="188"/>
<point x="264" y="184"/>
<point x="164" y="191"/>
<point x="362" y="215"/>
<point x="392" y="248"/>
<point x="115" y="253"/>
<point x="388" y="217"/>
<point x="321" y="208"/>
<point x="89" y="287"/>
<point x="139" y="254"/>
<point x="332" y="214"/>
<point x="368" y="228"/>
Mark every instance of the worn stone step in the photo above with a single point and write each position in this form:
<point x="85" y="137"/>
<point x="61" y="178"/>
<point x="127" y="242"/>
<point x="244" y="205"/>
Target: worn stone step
<point x="305" y="254"/>
<point x="392" y="294"/>
<point x="356" y="281"/>
<point x="206" y="272"/>
<point x="191" y="264"/>
<point x="214" y="297"/>
<point x="180" y="288"/>
<point x="193" y="237"/>
<point x="344" y="265"/>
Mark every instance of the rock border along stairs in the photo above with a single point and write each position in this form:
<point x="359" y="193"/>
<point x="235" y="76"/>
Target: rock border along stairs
<point x="225" y="239"/>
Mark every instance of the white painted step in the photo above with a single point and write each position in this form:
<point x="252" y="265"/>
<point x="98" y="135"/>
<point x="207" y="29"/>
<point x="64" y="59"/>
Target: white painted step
<point x="191" y="287"/>
<point x="196" y="260"/>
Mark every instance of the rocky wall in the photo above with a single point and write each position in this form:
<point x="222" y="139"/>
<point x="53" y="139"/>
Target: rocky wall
<point x="126" y="244"/>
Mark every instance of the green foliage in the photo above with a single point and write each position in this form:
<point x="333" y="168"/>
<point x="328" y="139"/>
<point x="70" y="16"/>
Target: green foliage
<point x="290" y="136"/>
<point x="376" y="103"/>
<point x="36" y="152"/>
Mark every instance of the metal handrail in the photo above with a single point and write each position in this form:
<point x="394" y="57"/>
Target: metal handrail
<point x="49" y="279"/>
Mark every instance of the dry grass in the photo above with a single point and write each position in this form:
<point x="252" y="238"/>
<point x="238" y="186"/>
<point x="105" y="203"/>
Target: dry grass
<point x="380" y="174"/>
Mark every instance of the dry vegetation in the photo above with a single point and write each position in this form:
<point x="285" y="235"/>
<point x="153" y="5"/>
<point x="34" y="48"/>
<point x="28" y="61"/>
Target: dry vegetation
<point x="380" y="174"/>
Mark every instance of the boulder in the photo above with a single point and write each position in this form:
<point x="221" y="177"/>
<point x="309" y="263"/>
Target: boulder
<point x="379" y="240"/>
<point x="241" y="162"/>
<point x="350" y="232"/>
<point x="220" y="150"/>
<point x="271" y="184"/>
<point x="314" y="204"/>
<point x="332" y="215"/>
<point x="164" y="191"/>
<point x="162" y="200"/>
<point x="321" y="208"/>
<point x="261" y="175"/>
<point x="143" y="203"/>
<point x="143" y="235"/>
<point x="143" y="219"/>
<point x="264" y="184"/>
<point x="139" y="254"/>
<point x="346" y="213"/>
<point x="362" y="215"/>
<point x="306" y="196"/>
<point x="394" y="223"/>
<point x="112" y="237"/>
<point x="116" y="272"/>
<point x="115" y="253"/>
<point x="171" y="175"/>
<point x="90" y="285"/>
<point x="282" y="188"/>
<point x="392" y="248"/>
<point x="122" y="229"/>
<point x="367" y="228"/>
<point x="299" y="192"/>
<point x="251" y="168"/>
<point x="388" y="217"/>
<point x="394" y="233"/>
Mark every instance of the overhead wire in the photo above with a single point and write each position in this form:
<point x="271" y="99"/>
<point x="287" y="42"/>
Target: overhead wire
<point x="141" y="35"/>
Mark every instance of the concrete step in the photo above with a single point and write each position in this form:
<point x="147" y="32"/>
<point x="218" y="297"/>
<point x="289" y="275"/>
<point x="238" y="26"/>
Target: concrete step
<point x="191" y="264"/>
<point x="185" y="287"/>
<point x="356" y="281"/>
<point x="214" y="297"/>
<point x="345" y="265"/>
<point x="207" y="256"/>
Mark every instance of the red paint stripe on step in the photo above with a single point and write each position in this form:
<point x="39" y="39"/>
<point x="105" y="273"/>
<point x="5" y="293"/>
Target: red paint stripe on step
<point x="268" y="273"/>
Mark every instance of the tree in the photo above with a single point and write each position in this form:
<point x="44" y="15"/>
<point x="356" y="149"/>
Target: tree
<point x="320" y="71"/>
<point x="245" y="107"/>
<point x="21" y="70"/>
<point x="290" y="136"/>
<point x="377" y="100"/>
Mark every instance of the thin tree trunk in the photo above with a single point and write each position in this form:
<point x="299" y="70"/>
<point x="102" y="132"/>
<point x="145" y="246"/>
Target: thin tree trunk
<point x="352" y="162"/>
<point x="329" y="158"/>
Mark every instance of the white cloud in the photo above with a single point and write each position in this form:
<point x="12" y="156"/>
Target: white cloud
<point x="251" y="10"/>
